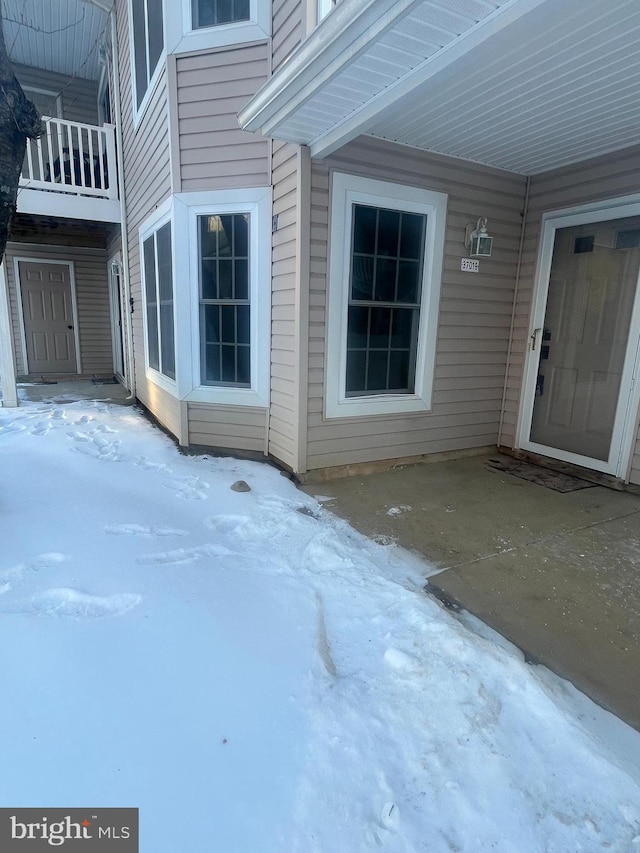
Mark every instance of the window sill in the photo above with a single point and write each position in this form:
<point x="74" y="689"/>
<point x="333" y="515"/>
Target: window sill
<point x="226" y="396"/>
<point x="162" y="381"/>
<point x="379" y="404"/>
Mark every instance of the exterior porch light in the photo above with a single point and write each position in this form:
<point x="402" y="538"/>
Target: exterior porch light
<point x="477" y="240"/>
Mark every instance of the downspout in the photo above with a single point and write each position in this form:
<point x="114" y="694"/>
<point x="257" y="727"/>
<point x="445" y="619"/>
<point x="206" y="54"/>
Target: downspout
<point x="124" y="237"/>
<point x="515" y="305"/>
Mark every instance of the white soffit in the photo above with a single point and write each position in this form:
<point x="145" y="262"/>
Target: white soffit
<point x="524" y="85"/>
<point x="56" y="35"/>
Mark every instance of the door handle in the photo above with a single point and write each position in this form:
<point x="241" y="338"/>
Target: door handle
<point x="69" y="327"/>
<point x="534" y="338"/>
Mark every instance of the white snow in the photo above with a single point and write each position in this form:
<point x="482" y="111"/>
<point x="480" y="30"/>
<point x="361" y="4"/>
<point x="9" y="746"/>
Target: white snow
<point x="255" y="676"/>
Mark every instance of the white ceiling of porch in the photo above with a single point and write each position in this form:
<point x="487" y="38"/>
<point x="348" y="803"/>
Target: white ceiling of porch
<point x="57" y="35"/>
<point x="524" y="85"/>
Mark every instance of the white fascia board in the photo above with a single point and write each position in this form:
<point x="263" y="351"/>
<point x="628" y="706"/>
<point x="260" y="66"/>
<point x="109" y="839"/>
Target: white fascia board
<point x="344" y="33"/>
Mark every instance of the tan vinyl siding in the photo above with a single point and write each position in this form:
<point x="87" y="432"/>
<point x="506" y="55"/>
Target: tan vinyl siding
<point x="475" y="310"/>
<point x="283" y="424"/>
<point x="212" y="88"/>
<point x="147" y="182"/>
<point x="92" y="298"/>
<point x="79" y="96"/>
<point x="288" y="28"/>
<point x="227" y="427"/>
<point x="594" y="180"/>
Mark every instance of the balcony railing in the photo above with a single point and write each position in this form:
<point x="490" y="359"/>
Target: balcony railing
<point x="72" y="158"/>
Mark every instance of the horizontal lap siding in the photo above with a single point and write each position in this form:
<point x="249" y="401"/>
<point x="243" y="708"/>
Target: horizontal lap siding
<point x="595" y="180"/>
<point x="227" y="427"/>
<point x="79" y="96"/>
<point x="474" y="319"/>
<point x="147" y="179"/>
<point x="92" y="299"/>
<point x="212" y="88"/>
<point x="288" y="28"/>
<point x="284" y="389"/>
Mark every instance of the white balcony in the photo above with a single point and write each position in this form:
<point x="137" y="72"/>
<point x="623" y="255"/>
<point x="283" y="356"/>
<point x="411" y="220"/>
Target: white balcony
<point x="71" y="171"/>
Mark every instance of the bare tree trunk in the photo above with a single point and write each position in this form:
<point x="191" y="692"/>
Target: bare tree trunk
<point x="19" y="121"/>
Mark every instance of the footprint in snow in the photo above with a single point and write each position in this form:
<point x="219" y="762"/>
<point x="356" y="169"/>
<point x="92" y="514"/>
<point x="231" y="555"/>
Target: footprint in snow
<point x="147" y="465"/>
<point x="143" y="530"/>
<point x="184" y="555"/>
<point x="37" y="564"/>
<point x="66" y="602"/>
<point x="226" y="523"/>
<point x="189" y="488"/>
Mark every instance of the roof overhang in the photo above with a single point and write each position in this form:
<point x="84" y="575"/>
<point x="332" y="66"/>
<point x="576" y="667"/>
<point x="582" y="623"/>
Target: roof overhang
<point x="63" y="36"/>
<point x="523" y="85"/>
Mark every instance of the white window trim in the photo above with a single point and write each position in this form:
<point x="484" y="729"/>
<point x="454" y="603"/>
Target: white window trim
<point x="160" y="217"/>
<point x="256" y="202"/>
<point x="180" y="37"/>
<point x="138" y="112"/>
<point x="348" y="190"/>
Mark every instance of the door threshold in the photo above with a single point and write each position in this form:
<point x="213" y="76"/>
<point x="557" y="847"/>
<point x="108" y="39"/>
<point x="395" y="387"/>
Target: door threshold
<point x="597" y="477"/>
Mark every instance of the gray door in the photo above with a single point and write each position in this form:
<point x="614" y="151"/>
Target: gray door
<point x="47" y="309"/>
<point x="584" y="341"/>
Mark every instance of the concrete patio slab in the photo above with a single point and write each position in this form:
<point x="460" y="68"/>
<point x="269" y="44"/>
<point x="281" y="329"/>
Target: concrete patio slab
<point x="558" y="574"/>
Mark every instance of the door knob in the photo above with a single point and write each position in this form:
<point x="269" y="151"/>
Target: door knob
<point x="69" y="327"/>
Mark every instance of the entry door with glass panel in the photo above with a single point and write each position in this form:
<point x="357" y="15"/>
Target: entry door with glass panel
<point x="584" y="344"/>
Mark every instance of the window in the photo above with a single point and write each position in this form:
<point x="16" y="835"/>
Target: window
<point x="208" y="24"/>
<point x="223" y="238"/>
<point x="225" y="310"/>
<point x="214" y="13"/>
<point x="384" y="300"/>
<point x="324" y="7"/>
<point x="384" y="283"/>
<point x="147" y="43"/>
<point x="157" y="266"/>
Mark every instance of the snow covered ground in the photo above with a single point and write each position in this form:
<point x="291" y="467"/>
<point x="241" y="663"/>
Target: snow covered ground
<point x="256" y="677"/>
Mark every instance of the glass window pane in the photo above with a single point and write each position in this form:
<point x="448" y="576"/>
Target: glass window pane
<point x="364" y="229"/>
<point x="165" y="272"/>
<point x="357" y="327"/>
<point x="402" y="330"/>
<point x="156" y="34"/>
<point x="386" y="271"/>
<point x="399" y="371"/>
<point x="209" y="227"/>
<point x="244" y="330"/>
<point x="356" y="369"/>
<point x="244" y="365"/>
<point x="211" y="365"/>
<point x="139" y="48"/>
<point x="362" y="278"/>
<point x="408" y="281"/>
<point x="168" y="359"/>
<point x="377" y="371"/>
<point x="241" y="279"/>
<point x="411" y="235"/>
<point x="241" y="235"/>
<point x="228" y="363"/>
<point x="225" y="237"/>
<point x="380" y="328"/>
<point x="211" y="323"/>
<point x="388" y="232"/>
<point x="228" y="324"/>
<point x="209" y="279"/>
<point x="151" y="298"/>
<point x="225" y="279"/>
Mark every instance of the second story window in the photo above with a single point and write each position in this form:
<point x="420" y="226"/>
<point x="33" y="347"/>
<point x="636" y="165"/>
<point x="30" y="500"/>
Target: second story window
<point x="148" y="42"/>
<point x="214" y="13"/>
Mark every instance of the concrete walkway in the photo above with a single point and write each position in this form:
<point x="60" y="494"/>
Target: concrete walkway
<point x="558" y="574"/>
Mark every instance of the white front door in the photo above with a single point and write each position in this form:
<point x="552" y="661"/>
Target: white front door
<point x="49" y="317"/>
<point x="584" y="343"/>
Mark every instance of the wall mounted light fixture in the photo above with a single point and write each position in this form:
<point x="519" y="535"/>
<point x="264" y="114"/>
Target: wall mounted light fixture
<point x="477" y="239"/>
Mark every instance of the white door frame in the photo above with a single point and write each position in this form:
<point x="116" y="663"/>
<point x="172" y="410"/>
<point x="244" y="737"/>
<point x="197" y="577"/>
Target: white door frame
<point x="623" y="435"/>
<point x="74" y="305"/>
<point x="117" y="310"/>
